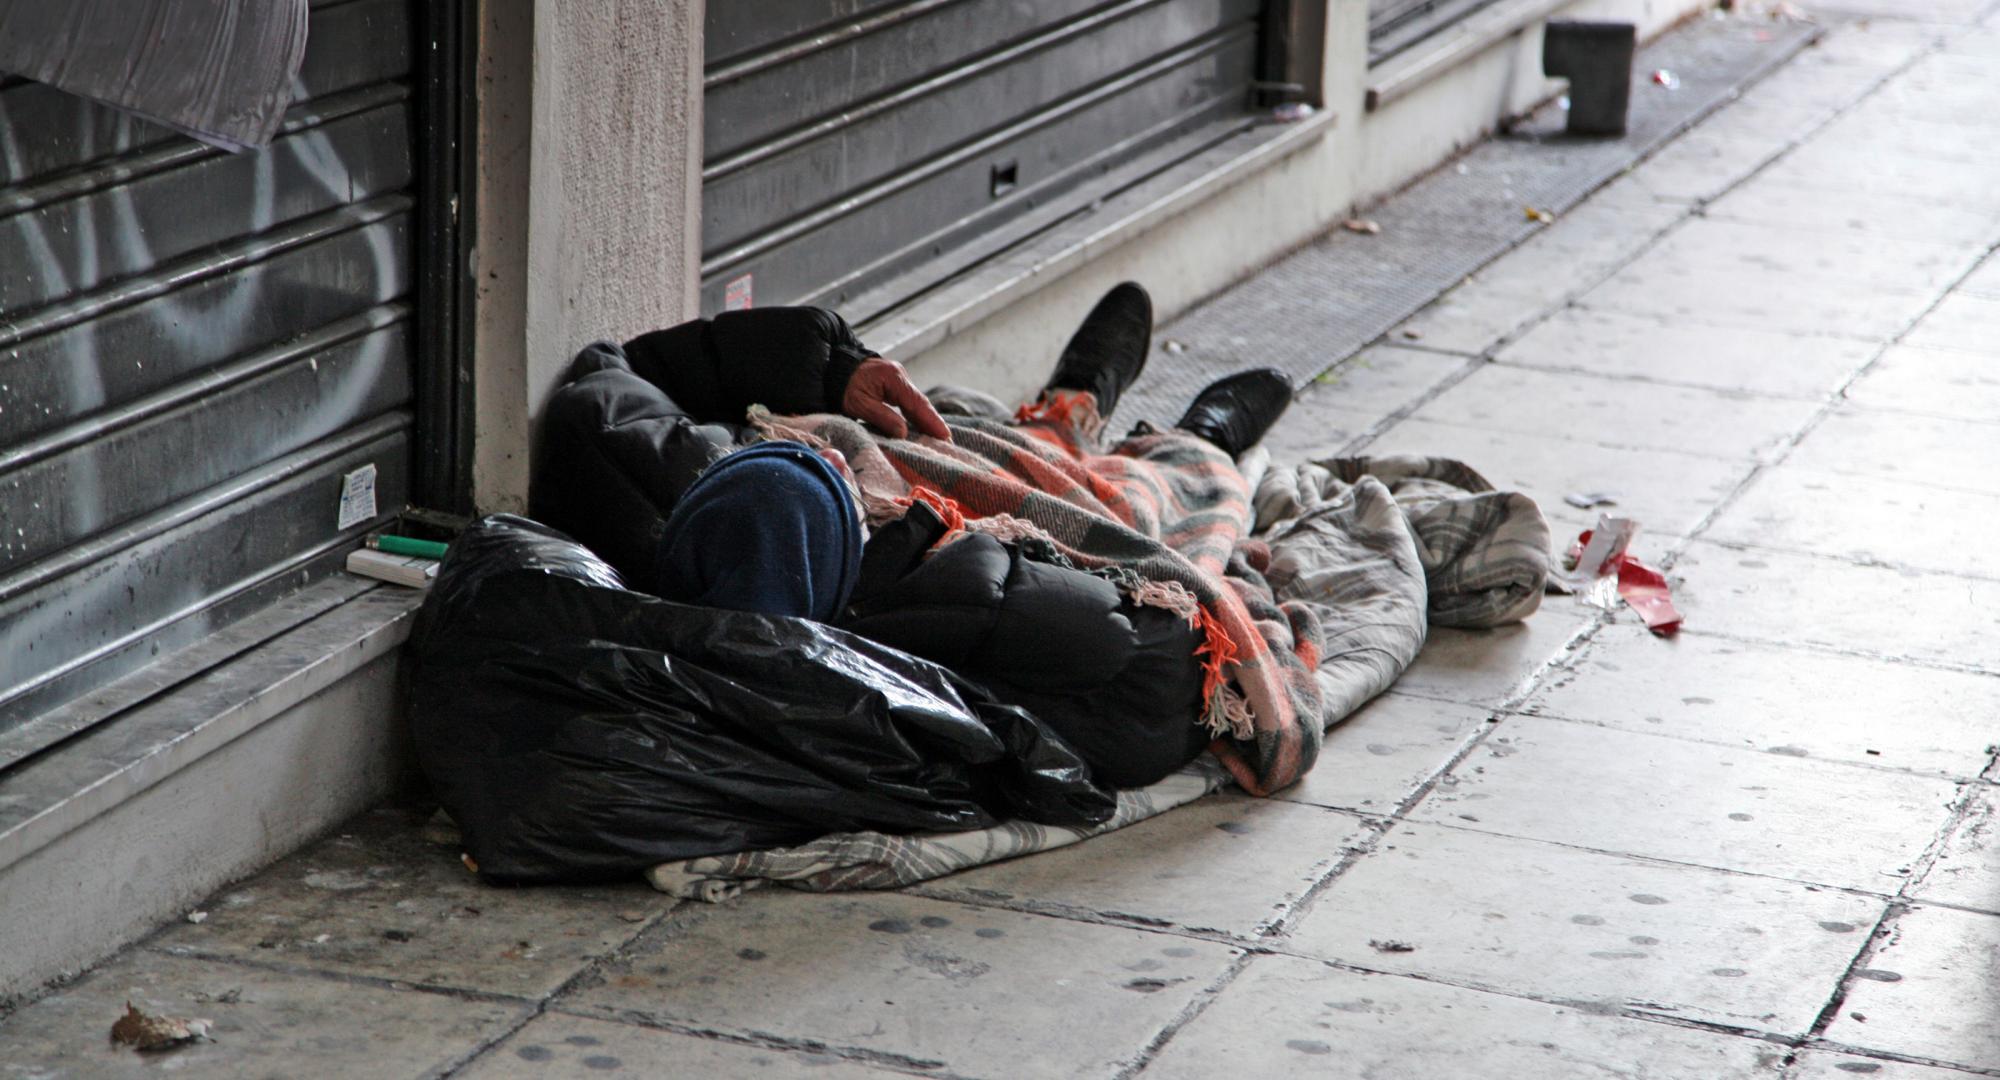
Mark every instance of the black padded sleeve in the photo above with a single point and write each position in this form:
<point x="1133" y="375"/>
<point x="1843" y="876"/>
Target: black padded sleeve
<point x="788" y="359"/>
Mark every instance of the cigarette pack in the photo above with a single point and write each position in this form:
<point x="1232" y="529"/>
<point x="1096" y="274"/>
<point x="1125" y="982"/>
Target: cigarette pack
<point x="410" y="570"/>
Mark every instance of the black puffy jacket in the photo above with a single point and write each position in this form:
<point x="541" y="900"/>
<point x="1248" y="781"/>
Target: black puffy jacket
<point x="635" y="425"/>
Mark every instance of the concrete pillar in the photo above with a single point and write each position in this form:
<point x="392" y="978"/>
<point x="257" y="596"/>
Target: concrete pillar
<point x="589" y="200"/>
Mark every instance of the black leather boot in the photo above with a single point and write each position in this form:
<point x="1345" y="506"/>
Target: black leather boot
<point x="1235" y="411"/>
<point x="1109" y="350"/>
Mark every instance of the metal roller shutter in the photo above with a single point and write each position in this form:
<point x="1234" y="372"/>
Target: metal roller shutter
<point x="1395" y="25"/>
<point x="195" y="348"/>
<point x="848" y="142"/>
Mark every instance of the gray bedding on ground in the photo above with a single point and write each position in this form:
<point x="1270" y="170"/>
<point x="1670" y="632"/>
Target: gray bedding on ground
<point x="1382" y="548"/>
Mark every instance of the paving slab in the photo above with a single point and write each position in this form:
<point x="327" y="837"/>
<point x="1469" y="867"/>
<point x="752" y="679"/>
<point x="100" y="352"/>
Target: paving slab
<point x="1930" y="992"/>
<point x="1494" y="912"/>
<point x="1836" y="264"/>
<point x="1881" y="46"/>
<point x="1828" y="1065"/>
<point x="1669" y="492"/>
<point x="1911" y="137"/>
<point x="1586" y="243"/>
<point x="1770" y="697"/>
<point x="1377" y="381"/>
<point x="1485" y="667"/>
<point x="1942" y="94"/>
<point x="1311" y="1019"/>
<point x="1942" y="382"/>
<point x="1761" y="300"/>
<point x="1618" y="412"/>
<point x="1779" y="597"/>
<point x="1944" y="86"/>
<point x="1857" y="212"/>
<point x="378" y="900"/>
<point x="1982" y="43"/>
<point x="1967" y="871"/>
<point x="1341" y="404"/>
<point x="1376" y="758"/>
<point x="1865" y="519"/>
<point x="1953" y="65"/>
<point x="1321" y="430"/>
<point x="1984" y="281"/>
<point x="1616" y="344"/>
<point x="557" y="1046"/>
<point x="1961" y="321"/>
<point x="1699" y="166"/>
<point x="1767" y="119"/>
<point x="1818" y="164"/>
<point x="922" y="982"/>
<point x="1834" y="73"/>
<point x="1949" y="69"/>
<point x="1227" y="863"/>
<point x="1477" y="314"/>
<point x="1692" y="802"/>
<point x="1919" y="449"/>
<point x="266" y="1024"/>
<point x="1930" y="11"/>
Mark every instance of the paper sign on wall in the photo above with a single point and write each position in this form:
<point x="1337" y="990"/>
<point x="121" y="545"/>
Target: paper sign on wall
<point x="357" y="497"/>
<point x="737" y="295"/>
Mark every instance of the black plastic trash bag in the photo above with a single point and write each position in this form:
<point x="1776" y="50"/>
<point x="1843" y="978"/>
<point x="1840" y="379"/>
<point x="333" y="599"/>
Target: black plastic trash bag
<point x="578" y="730"/>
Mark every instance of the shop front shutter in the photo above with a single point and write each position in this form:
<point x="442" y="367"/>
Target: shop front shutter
<point x="196" y="348"/>
<point x="1395" y="25"/>
<point x="849" y="142"/>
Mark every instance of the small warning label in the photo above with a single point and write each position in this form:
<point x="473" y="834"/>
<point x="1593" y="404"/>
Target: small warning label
<point x="737" y="296"/>
<point x="357" y="497"/>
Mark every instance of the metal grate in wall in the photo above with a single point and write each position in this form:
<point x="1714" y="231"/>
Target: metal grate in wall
<point x="1395" y="25"/>
<point x="195" y="349"/>
<point x="851" y="142"/>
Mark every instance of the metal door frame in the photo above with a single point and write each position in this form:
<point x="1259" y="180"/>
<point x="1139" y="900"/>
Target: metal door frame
<point x="446" y="159"/>
<point x="1292" y="60"/>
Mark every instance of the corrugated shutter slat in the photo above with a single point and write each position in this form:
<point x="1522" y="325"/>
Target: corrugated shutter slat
<point x="195" y="347"/>
<point x="858" y="146"/>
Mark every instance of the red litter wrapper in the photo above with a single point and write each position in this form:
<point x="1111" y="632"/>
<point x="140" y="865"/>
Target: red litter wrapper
<point x="1645" y="589"/>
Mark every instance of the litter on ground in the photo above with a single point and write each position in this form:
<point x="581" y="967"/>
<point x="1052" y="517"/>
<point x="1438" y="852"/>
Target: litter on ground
<point x="1599" y="569"/>
<point x="147" y="1032"/>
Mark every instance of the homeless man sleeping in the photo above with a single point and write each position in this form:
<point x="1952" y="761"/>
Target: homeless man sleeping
<point x="1104" y="589"/>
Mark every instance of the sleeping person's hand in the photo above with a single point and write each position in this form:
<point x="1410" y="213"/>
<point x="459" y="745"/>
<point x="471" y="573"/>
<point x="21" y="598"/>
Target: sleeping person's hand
<point x="880" y="393"/>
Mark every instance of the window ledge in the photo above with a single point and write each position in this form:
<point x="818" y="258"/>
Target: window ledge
<point x="1438" y="54"/>
<point x="60" y="789"/>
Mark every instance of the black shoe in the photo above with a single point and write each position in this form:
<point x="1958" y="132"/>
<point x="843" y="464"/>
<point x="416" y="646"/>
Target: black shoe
<point x="1108" y="351"/>
<point x="1236" y="410"/>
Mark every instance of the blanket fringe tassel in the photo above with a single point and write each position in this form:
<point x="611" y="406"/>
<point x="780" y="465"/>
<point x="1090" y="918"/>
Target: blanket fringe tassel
<point x="1226" y="712"/>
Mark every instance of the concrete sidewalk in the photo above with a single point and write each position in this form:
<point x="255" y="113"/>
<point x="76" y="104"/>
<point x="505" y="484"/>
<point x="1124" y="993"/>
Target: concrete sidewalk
<point x="1565" y="849"/>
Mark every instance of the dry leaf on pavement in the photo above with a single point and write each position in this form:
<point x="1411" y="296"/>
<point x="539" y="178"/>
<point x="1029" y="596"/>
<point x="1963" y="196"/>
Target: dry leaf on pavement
<point x="146" y="1032"/>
